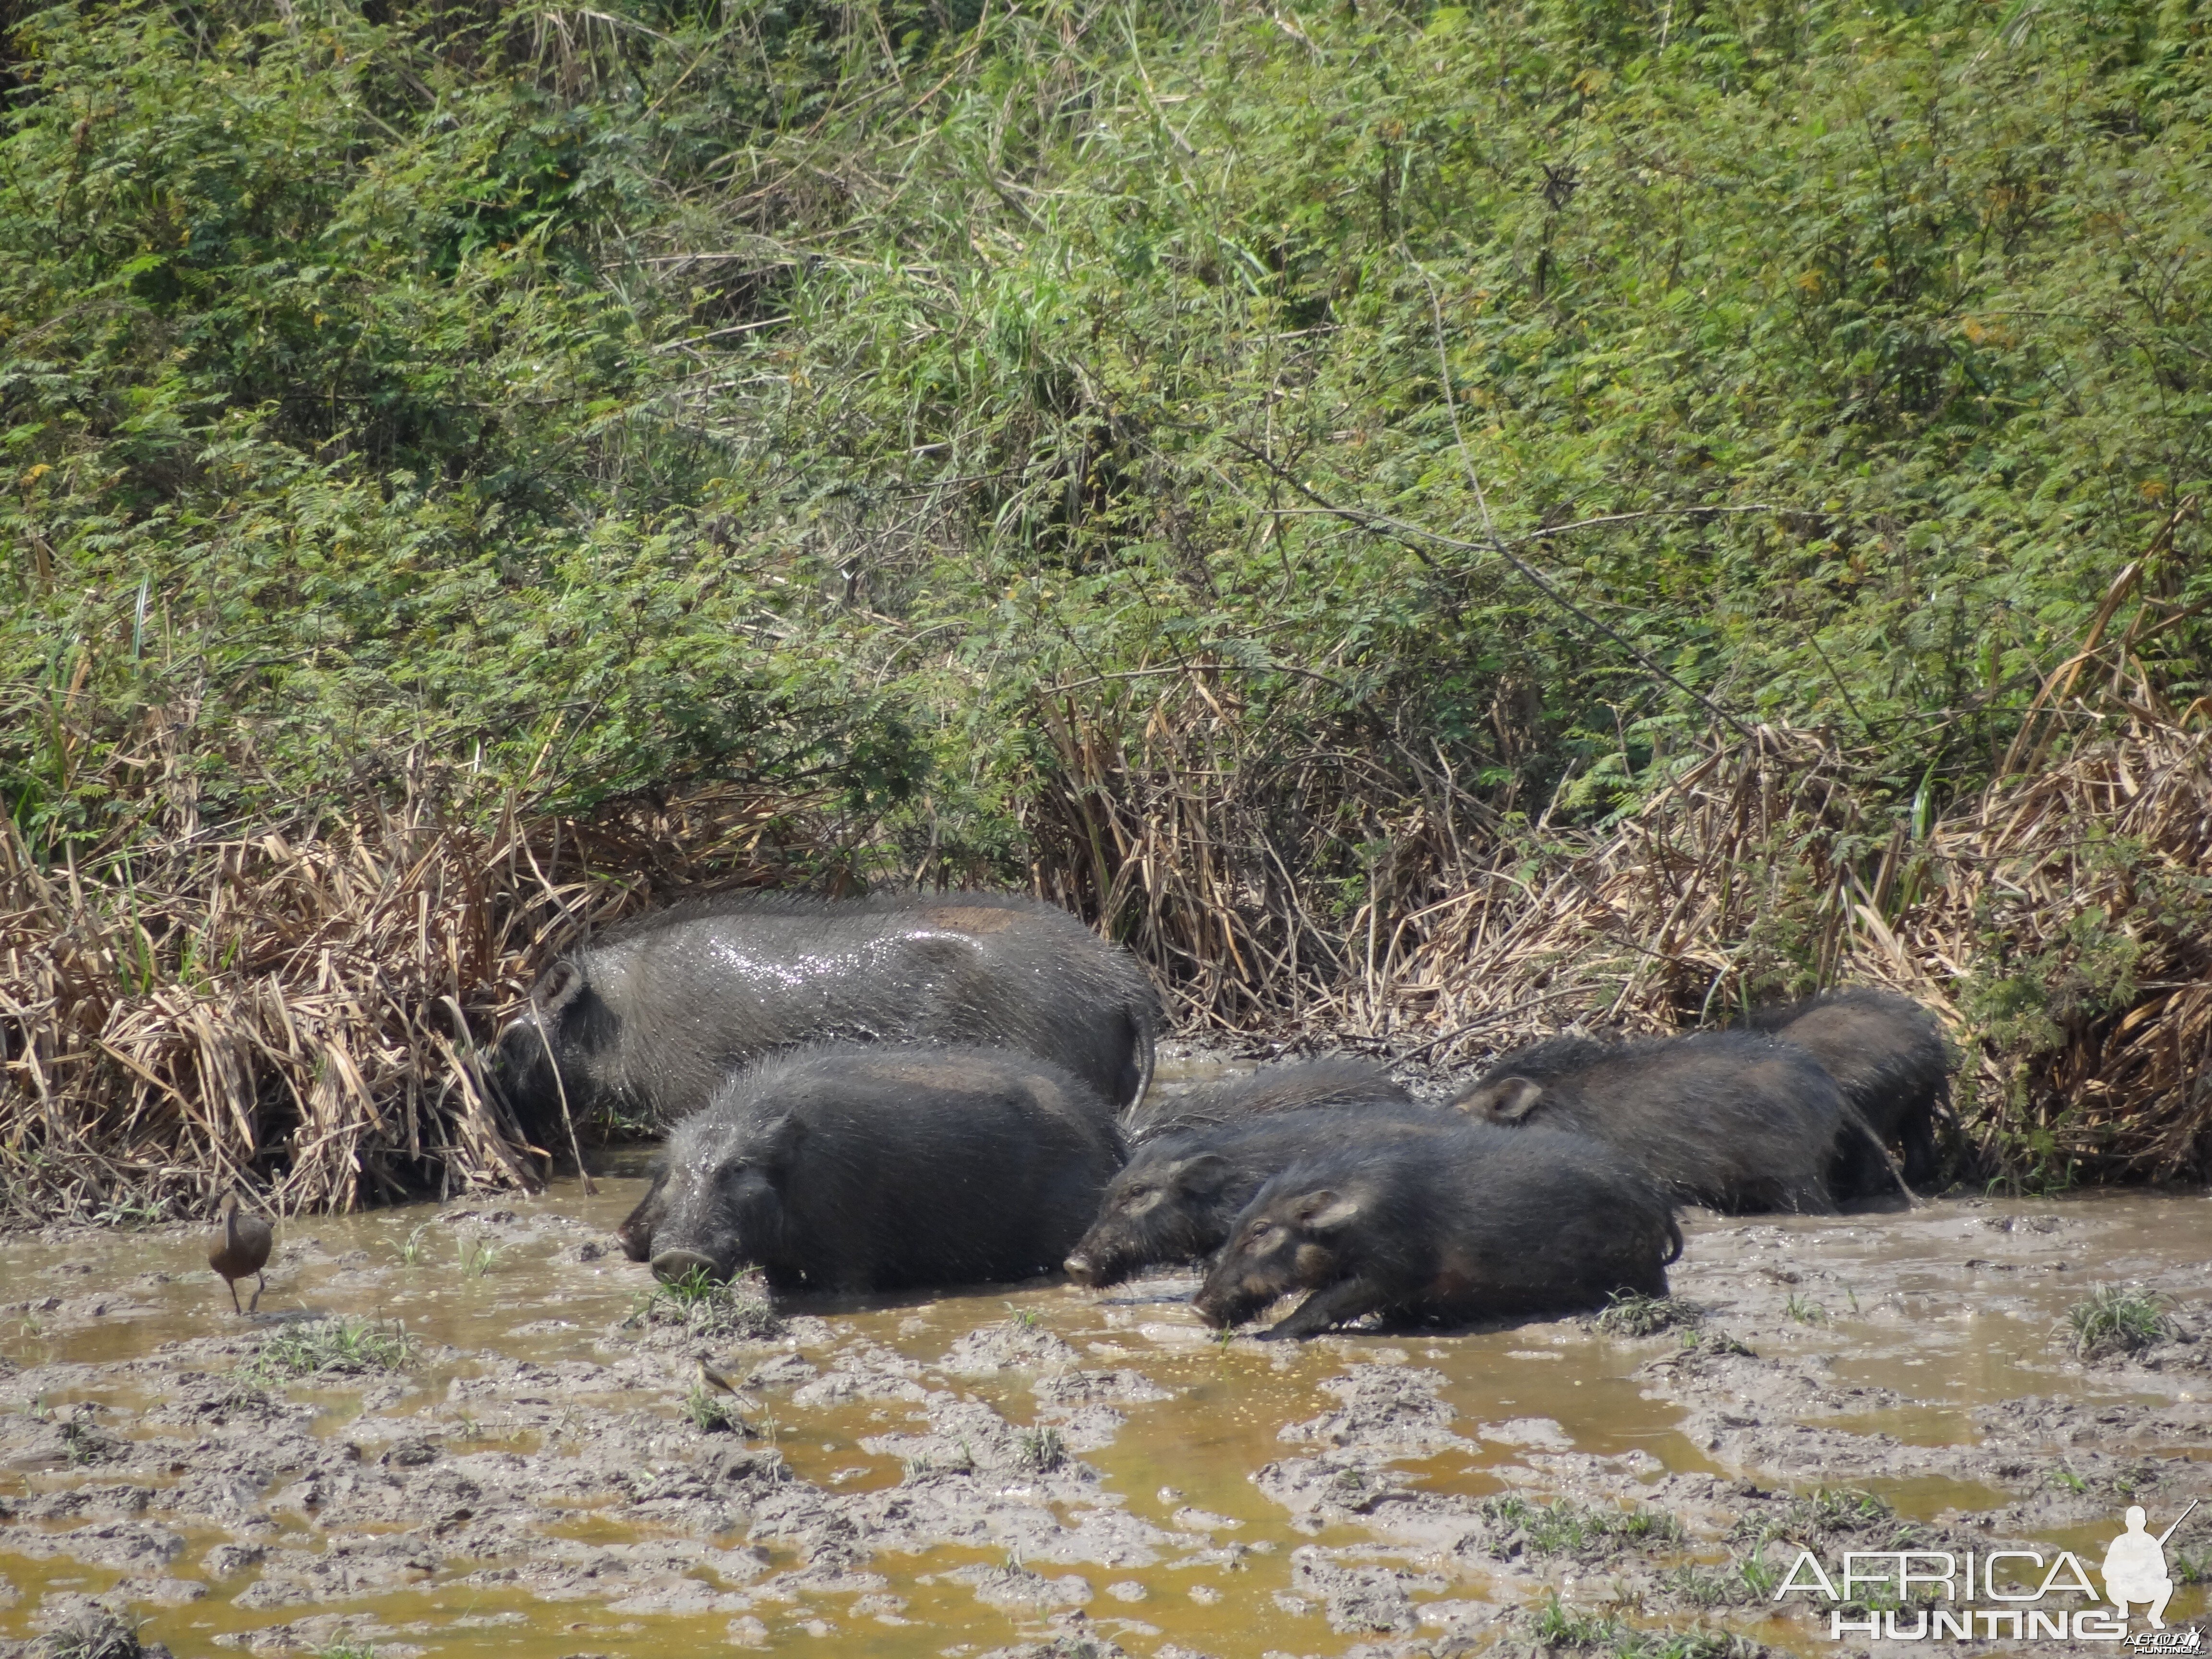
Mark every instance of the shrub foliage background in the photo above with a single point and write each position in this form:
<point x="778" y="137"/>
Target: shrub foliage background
<point x="1416" y="422"/>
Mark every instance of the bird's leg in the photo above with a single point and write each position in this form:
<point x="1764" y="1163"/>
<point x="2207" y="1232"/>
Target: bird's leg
<point x="234" y="1294"/>
<point x="260" y="1284"/>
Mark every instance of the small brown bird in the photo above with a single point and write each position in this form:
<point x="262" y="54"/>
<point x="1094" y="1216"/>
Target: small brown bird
<point x="240" y="1249"/>
<point x="713" y="1381"/>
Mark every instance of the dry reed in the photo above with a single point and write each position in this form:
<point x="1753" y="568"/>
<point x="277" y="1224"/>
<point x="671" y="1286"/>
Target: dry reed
<point x="292" y="1008"/>
<point x="2059" y="921"/>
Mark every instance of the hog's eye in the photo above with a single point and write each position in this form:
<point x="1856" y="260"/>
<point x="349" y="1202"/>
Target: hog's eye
<point x="1261" y="1230"/>
<point x="1135" y="1192"/>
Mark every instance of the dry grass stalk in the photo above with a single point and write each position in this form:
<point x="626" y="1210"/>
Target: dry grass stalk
<point x="292" y="1009"/>
<point x="2060" y="922"/>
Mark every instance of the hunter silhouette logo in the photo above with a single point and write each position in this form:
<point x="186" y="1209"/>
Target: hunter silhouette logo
<point x="2135" y="1567"/>
<point x="1891" y="1586"/>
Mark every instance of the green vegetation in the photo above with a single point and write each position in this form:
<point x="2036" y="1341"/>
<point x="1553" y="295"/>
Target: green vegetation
<point x="345" y="1348"/>
<point x="84" y="1442"/>
<point x="1564" y="1528"/>
<point x="94" y="1634"/>
<point x="1828" y="1512"/>
<point x="708" y="1307"/>
<point x="1743" y="1581"/>
<point x="2115" y="1319"/>
<point x="1042" y="1450"/>
<point x="712" y="1412"/>
<point x="879" y="400"/>
<point x="1558" y="1628"/>
<point x="476" y="1255"/>
<point x="1631" y="1315"/>
<point x="1806" y="1311"/>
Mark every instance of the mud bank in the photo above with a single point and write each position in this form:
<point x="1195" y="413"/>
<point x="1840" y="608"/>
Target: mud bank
<point x="1037" y="1466"/>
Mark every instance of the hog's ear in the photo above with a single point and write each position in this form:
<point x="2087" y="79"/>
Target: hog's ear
<point x="1324" y="1210"/>
<point x="775" y="1141"/>
<point x="1507" y="1099"/>
<point x="1202" y="1174"/>
<point x="556" y="987"/>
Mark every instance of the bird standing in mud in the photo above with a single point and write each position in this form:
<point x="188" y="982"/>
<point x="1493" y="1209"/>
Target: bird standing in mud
<point x="713" y="1381"/>
<point x="715" y="1399"/>
<point x="241" y="1247"/>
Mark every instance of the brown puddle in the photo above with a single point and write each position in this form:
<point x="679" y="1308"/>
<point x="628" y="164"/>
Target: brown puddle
<point x="529" y="1484"/>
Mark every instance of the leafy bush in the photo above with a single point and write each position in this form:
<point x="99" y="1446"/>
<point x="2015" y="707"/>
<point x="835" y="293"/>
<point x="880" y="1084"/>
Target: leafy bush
<point x="422" y="377"/>
<point x="1236" y="477"/>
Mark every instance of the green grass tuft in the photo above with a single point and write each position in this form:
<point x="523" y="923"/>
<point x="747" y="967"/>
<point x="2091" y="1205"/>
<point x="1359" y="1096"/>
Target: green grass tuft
<point x="1562" y="1528"/>
<point x="713" y="1414"/>
<point x="708" y="1307"/>
<point x="2115" y="1320"/>
<point x="1042" y="1450"/>
<point x="1632" y="1315"/>
<point x="325" y="1348"/>
<point x="1559" y="1628"/>
<point x="95" y="1633"/>
<point x="477" y="1255"/>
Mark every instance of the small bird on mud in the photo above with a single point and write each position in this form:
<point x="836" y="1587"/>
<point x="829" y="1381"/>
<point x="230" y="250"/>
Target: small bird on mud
<point x="713" y="1381"/>
<point x="241" y="1247"/>
<point x="715" y="1399"/>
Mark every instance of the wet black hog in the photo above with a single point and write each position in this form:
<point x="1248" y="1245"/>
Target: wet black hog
<point x="869" y="1166"/>
<point x="1179" y="1194"/>
<point x="1338" y="1080"/>
<point x="1886" y="1055"/>
<point x="1732" y="1119"/>
<point x="1487" y="1222"/>
<point x="646" y="1021"/>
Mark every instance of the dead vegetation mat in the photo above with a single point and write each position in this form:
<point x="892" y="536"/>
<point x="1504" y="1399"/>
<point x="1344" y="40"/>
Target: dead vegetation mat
<point x="291" y="1009"/>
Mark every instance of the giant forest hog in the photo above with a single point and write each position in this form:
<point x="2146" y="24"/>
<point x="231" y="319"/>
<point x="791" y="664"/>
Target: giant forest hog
<point x="1485" y="1223"/>
<point x="644" y="1022"/>
<point x="869" y="1166"/>
<point x="1731" y="1119"/>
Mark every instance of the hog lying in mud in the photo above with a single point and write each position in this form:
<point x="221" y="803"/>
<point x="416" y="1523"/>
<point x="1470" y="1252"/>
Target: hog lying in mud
<point x="1731" y="1119"/>
<point x="869" y="1166"/>
<point x="1482" y="1224"/>
<point x="1178" y="1196"/>
<point x="1337" y="1081"/>
<point x="646" y="1021"/>
<point x="1886" y="1055"/>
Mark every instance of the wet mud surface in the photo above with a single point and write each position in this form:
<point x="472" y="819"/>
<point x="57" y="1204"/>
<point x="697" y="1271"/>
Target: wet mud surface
<point x="1039" y="1467"/>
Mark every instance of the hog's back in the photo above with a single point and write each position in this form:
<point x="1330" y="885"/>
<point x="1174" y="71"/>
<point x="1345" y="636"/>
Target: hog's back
<point x="1737" y="1120"/>
<point x="922" y="1167"/>
<point x="699" y="995"/>
<point x="1303" y="1085"/>
<point x="1550" y="1220"/>
<point x="1884" y="1051"/>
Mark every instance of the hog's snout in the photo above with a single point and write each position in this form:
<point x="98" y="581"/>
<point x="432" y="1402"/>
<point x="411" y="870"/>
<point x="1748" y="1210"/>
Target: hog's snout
<point x="671" y="1265"/>
<point x="1217" y="1309"/>
<point x="1081" y="1268"/>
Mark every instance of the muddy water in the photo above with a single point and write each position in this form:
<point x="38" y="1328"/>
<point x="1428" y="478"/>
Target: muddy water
<point x="1024" y="1464"/>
